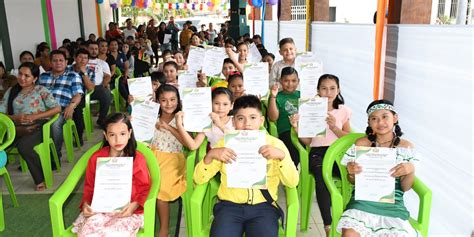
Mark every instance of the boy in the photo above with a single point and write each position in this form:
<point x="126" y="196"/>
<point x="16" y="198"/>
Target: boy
<point x="246" y="210"/>
<point x="288" y="52"/>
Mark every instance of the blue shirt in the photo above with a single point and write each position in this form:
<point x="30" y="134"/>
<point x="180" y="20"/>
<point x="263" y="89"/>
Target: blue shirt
<point x="63" y="87"/>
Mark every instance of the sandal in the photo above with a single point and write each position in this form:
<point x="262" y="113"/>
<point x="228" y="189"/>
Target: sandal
<point x="40" y="187"/>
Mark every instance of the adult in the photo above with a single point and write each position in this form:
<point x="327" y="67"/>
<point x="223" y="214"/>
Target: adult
<point x="129" y="31"/>
<point x="29" y="106"/>
<point x="203" y="34"/>
<point x="185" y="36"/>
<point x="42" y="56"/>
<point x="122" y="62"/>
<point x="162" y="32"/>
<point x="173" y="29"/>
<point x="191" y="26"/>
<point x="105" y="55"/>
<point x="113" y="32"/>
<point x="151" y="32"/>
<point x="211" y="32"/>
<point x="66" y="87"/>
<point x="101" y="81"/>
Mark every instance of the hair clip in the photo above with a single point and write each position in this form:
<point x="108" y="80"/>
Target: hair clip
<point x="235" y="73"/>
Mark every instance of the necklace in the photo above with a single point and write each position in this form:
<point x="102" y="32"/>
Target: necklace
<point x="27" y="92"/>
<point x="377" y="143"/>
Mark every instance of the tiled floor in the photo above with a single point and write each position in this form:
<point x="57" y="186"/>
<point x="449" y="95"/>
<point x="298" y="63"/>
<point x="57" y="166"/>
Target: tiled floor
<point x="23" y="184"/>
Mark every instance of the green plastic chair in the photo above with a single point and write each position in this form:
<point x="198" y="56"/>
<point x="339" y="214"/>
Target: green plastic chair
<point x="115" y="91"/>
<point x="7" y="127"/>
<point x="202" y="223"/>
<point x="70" y="130"/>
<point x="58" y="199"/>
<point x="340" y="199"/>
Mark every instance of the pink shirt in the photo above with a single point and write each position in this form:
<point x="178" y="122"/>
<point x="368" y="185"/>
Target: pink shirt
<point x="216" y="134"/>
<point x="342" y="115"/>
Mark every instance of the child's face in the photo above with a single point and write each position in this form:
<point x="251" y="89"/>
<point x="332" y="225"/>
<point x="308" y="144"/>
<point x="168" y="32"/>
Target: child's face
<point x="26" y="58"/>
<point x="195" y="41"/>
<point x="248" y="119"/>
<point x="328" y="88"/>
<point x="289" y="83"/>
<point x="237" y="87"/>
<point x="288" y="51"/>
<point x="179" y="58"/>
<point x="167" y="57"/>
<point x="170" y="74"/>
<point x="117" y="134"/>
<point x="382" y="121"/>
<point x="243" y="51"/>
<point x="229" y="45"/>
<point x="227" y="68"/>
<point x="125" y="48"/>
<point x="155" y="85"/>
<point x="168" y="102"/>
<point x="221" y="105"/>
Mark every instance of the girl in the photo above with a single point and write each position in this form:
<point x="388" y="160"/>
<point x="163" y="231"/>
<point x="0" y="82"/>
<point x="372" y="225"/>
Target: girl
<point x="167" y="56"/>
<point x="364" y="218"/>
<point x="119" y="141"/>
<point x="288" y="52"/>
<point x="241" y="59"/>
<point x="221" y="121"/>
<point x="338" y="122"/>
<point x="170" y="69"/>
<point x="236" y="84"/>
<point x="167" y="147"/>
<point x="179" y="58"/>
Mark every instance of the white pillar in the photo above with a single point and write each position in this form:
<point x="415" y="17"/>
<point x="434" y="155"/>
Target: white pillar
<point x="462" y="11"/>
<point x="447" y="8"/>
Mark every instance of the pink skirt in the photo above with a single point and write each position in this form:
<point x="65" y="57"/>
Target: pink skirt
<point x="106" y="224"/>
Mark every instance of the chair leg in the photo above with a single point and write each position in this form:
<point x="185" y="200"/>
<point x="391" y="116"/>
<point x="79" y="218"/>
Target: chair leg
<point x="52" y="148"/>
<point x="8" y="183"/>
<point x="76" y="136"/>
<point x="2" y="217"/>
<point x="45" y="164"/>
<point x="67" y="135"/>
<point x="23" y="165"/>
<point x="306" y="203"/>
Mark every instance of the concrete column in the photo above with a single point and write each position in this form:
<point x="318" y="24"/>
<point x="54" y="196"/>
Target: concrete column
<point x="462" y="11"/>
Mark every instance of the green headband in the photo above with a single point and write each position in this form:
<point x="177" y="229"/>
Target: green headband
<point x="379" y="107"/>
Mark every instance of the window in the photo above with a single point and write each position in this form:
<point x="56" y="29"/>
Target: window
<point x="298" y="10"/>
<point x="332" y="14"/>
<point x="454" y="9"/>
<point x="441" y="6"/>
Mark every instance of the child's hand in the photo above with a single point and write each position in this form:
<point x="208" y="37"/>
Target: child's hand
<point x="179" y="116"/>
<point x="294" y="120"/>
<point x="215" y="118"/>
<point x="271" y="152"/>
<point x="331" y="121"/>
<point x="160" y="125"/>
<point x="225" y="155"/>
<point x="353" y="168"/>
<point x="402" y="169"/>
<point x="274" y="90"/>
<point x="130" y="99"/>
<point x="127" y="210"/>
<point x="87" y="210"/>
<point x="202" y="80"/>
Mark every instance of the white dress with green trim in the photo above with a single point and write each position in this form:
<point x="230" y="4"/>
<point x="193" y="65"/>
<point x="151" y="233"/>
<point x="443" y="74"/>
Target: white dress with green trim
<point x="375" y="218"/>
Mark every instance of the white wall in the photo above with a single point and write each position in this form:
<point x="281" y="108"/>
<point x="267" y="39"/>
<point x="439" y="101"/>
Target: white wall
<point x="90" y="20"/>
<point x="66" y="20"/>
<point x="350" y="11"/>
<point x="25" y="25"/>
<point x="434" y="98"/>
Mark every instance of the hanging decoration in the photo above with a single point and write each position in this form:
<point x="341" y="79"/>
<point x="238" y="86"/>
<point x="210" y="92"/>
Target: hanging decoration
<point x="193" y="6"/>
<point x="126" y="2"/>
<point x="185" y="6"/>
<point x="257" y="3"/>
<point x="100" y="1"/>
<point x="133" y="3"/>
<point x="170" y="6"/>
<point x="250" y="2"/>
<point x="114" y="4"/>
<point x="145" y="4"/>
<point x="272" y="2"/>
<point x="201" y="7"/>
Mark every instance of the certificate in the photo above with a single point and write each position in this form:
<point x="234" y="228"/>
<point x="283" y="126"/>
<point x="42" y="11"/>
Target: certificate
<point x="140" y="87"/>
<point x="186" y="79"/>
<point x="213" y="59"/>
<point x="256" y="79"/>
<point x="197" y="105"/>
<point x="374" y="183"/>
<point x="309" y="75"/>
<point x="249" y="170"/>
<point x="195" y="58"/>
<point x="144" y="116"/>
<point x="313" y="113"/>
<point x="113" y="184"/>
<point x="254" y="54"/>
<point x="167" y="38"/>
<point x="307" y="58"/>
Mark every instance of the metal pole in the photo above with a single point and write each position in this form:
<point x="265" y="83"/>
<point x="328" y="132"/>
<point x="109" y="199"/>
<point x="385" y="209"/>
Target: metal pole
<point x="462" y="12"/>
<point x="379" y="31"/>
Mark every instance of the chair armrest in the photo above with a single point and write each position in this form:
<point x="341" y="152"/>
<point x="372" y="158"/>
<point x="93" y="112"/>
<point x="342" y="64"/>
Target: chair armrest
<point x="197" y="199"/>
<point x="57" y="200"/>
<point x="47" y="127"/>
<point x="304" y="158"/>
<point x="9" y="129"/>
<point x="292" y="205"/>
<point x="424" y="208"/>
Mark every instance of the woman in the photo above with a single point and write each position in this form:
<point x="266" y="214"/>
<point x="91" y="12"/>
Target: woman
<point x="161" y="37"/>
<point x="29" y="106"/>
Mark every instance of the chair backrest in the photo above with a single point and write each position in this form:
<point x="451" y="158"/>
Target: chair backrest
<point x="7" y="127"/>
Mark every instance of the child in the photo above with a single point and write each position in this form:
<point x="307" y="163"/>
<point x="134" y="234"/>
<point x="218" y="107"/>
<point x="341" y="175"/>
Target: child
<point x="179" y="58"/>
<point x="170" y="69"/>
<point x="338" y="122"/>
<point x="365" y="218"/>
<point x="118" y="142"/>
<point x="167" y="56"/>
<point x="227" y="67"/>
<point x="241" y="59"/>
<point x="236" y="84"/>
<point x="247" y="210"/>
<point x="157" y="79"/>
<point x="166" y="145"/>
<point x="269" y="58"/>
<point x="283" y="104"/>
<point x="221" y="121"/>
<point x="288" y="52"/>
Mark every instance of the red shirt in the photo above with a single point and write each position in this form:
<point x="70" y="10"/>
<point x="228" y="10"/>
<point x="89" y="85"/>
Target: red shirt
<point x="141" y="181"/>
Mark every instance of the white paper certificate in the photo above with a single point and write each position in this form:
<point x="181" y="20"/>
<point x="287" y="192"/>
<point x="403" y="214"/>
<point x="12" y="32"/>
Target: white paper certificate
<point x="195" y="58"/>
<point x="374" y="183"/>
<point x="213" y="59"/>
<point x="113" y="184"/>
<point x="144" y="116"/>
<point x="140" y="87"/>
<point x="197" y="105"/>
<point x="256" y="79"/>
<point x="167" y="38"/>
<point x="309" y="75"/>
<point x="249" y="170"/>
<point x="254" y="54"/>
<point x="186" y="79"/>
<point x="313" y="113"/>
<point x="307" y="58"/>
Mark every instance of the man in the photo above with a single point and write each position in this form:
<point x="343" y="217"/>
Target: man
<point x="106" y="56"/>
<point x="129" y="31"/>
<point x="173" y="28"/>
<point x="185" y="36"/>
<point x="66" y="87"/>
<point x="191" y="27"/>
<point x="80" y="67"/>
<point x="151" y="32"/>
<point x="101" y="81"/>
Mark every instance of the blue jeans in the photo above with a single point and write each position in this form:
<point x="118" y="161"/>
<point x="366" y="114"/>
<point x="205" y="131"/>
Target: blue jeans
<point x="232" y="220"/>
<point x="57" y="132"/>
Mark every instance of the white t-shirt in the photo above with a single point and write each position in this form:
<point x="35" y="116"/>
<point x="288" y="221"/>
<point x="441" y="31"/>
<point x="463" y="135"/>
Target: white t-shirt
<point x="100" y="67"/>
<point x="127" y="33"/>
